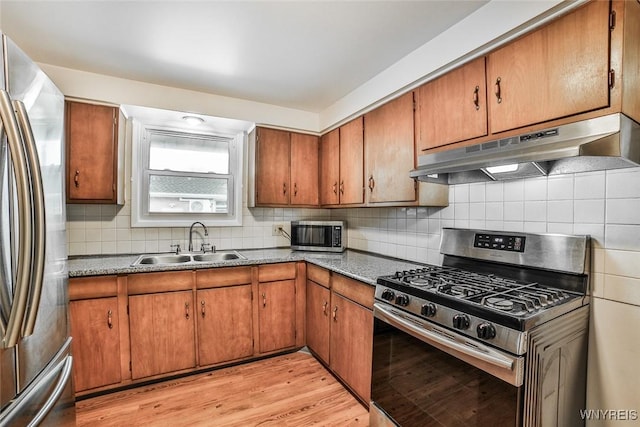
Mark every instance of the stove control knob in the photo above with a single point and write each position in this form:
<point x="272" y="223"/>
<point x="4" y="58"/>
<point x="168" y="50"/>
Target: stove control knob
<point x="428" y="310"/>
<point x="486" y="331"/>
<point x="461" y="321"/>
<point x="398" y="274"/>
<point x="388" y="295"/>
<point x="402" y="300"/>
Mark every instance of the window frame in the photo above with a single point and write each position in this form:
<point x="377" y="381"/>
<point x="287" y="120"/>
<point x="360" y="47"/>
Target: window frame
<point x="140" y="177"/>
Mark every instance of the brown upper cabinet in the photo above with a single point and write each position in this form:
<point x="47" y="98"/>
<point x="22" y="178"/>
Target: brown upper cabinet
<point x="453" y="107"/>
<point x="389" y="149"/>
<point x="342" y="165"/>
<point x="286" y="168"/>
<point x="93" y="151"/>
<point x="559" y="70"/>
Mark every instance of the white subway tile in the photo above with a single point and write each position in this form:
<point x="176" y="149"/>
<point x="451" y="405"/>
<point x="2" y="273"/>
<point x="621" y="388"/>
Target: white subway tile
<point x="625" y="237"/>
<point x="535" y="189"/>
<point x="93" y="235"/>
<point x="622" y="289"/>
<point x="514" y="190"/>
<point x="535" y="211"/>
<point x="477" y="224"/>
<point x="623" y="183"/>
<point x="138" y="246"/>
<point x="514" y="226"/>
<point x="477" y="211"/>
<point x="494" y="191"/>
<point x="622" y="263"/>
<point x="589" y="185"/>
<point x="597" y="285"/>
<point x="461" y="223"/>
<point x="596" y="231"/>
<point x="93" y="248"/>
<point x="513" y="211"/>
<point x="92" y="211"/>
<point x="76" y="236"/>
<point x="495" y="225"/>
<point x="560" y="187"/>
<point x="477" y="192"/>
<point x="623" y="211"/>
<point x="123" y="247"/>
<point x="588" y="211"/>
<point x="108" y="248"/>
<point x="77" y="248"/>
<point x="560" y="227"/>
<point x="461" y="193"/>
<point x="560" y="211"/>
<point x="597" y="260"/>
<point x="495" y="211"/>
<point x="123" y="234"/>
<point x="535" y="227"/>
<point x="461" y="211"/>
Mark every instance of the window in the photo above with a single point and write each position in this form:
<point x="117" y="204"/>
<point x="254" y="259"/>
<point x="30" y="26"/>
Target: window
<point x="180" y="177"/>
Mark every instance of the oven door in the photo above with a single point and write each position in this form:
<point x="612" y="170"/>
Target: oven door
<point x="426" y="375"/>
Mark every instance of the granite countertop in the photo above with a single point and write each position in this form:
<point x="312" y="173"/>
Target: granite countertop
<point x="355" y="264"/>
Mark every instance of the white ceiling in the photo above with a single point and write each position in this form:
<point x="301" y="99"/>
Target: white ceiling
<point x="304" y="55"/>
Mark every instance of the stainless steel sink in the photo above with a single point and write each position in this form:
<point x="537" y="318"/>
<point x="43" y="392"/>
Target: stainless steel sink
<point x="217" y="256"/>
<point x="172" y="259"/>
<point x="162" y="259"/>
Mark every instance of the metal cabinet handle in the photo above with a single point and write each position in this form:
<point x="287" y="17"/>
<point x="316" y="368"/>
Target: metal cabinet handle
<point x="372" y="183"/>
<point x="39" y="223"/>
<point x="342" y="187"/>
<point x="202" y="305"/>
<point x="186" y="310"/>
<point x="76" y="178"/>
<point x="110" y="319"/>
<point x="295" y="188"/>
<point x="13" y="326"/>
<point x="324" y="308"/>
<point x="335" y="313"/>
<point x="498" y="90"/>
<point x="264" y="300"/>
<point x="476" y="97"/>
<point x="284" y="188"/>
<point x="335" y="187"/>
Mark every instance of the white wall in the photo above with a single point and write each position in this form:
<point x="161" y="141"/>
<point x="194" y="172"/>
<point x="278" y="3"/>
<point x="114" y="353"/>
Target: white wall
<point x="605" y="205"/>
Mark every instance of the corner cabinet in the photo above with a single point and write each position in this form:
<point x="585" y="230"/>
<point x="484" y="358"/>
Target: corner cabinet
<point x="286" y="168"/>
<point x="94" y="153"/>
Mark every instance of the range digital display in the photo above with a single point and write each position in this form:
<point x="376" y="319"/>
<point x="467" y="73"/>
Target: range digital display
<point x="499" y="242"/>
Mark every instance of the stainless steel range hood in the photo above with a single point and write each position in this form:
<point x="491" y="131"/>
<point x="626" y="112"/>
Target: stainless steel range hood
<point x="607" y="142"/>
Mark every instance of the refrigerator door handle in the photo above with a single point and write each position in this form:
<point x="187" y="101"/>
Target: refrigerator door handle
<point x="23" y="266"/>
<point x="64" y="371"/>
<point x="39" y="227"/>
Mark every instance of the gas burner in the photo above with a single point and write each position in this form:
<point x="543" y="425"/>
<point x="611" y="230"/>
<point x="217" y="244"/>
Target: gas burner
<point x="419" y="281"/>
<point x="498" y="303"/>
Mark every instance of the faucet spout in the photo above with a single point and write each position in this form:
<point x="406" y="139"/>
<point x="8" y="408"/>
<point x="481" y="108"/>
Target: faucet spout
<point x="206" y="233"/>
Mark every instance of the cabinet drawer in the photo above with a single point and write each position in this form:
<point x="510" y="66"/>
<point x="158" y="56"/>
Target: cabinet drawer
<point x="147" y="283"/>
<point x="273" y="272"/>
<point x="93" y="287"/>
<point x="318" y="274"/>
<point x="356" y="291"/>
<point x="218" y="277"/>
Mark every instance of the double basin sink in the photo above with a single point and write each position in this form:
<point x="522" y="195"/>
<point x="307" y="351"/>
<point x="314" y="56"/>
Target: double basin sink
<point x="172" y="259"/>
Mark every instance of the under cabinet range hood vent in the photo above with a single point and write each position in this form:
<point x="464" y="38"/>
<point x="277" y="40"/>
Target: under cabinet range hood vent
<point x="607" y="142"/>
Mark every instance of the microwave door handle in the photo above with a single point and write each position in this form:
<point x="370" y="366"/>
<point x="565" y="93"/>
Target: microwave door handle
<point x="23" y="266"/>
<point x="39" y="225"/>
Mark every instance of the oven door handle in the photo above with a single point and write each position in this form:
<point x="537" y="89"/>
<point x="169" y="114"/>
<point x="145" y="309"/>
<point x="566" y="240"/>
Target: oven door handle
<point x="509" y="368"/>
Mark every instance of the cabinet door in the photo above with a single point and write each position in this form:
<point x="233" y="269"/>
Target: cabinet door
<point x="318" y="319"/>
<point x="272" y="167"/>
<point x="162" y="333"/>
<point x="330" y="168"/>
<point x="352" y="344"/>
<point x="390" y="151"/>
<point x="352" y="162"/>
<point x="225" y="327"/>
<point x="277" y="315"/>
<point x="304" y="170"/>
<point x="96" y="342"/>
<point x="453" y="107"/>
<point x="556" y="71"/>
<point x="91" y="152"/>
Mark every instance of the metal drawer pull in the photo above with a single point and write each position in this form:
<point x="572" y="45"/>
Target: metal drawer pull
<point x="264" y="300"/>
<point x="76" y="179"/>
<point x="335" y="187"/>
<point x="324" y="308"/>
<point x="335" y="312"/>
<point x="110" y="319"/>
<point x="342" y="187"/>
<point x="202" y="304"/>
<point x="498" y="90"/>
<point x="186" y="310"/>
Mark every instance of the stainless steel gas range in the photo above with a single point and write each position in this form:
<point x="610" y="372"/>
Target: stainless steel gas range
<point x="497" y="335"/>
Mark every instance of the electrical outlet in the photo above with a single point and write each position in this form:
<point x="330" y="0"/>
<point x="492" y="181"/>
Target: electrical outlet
<point x="276" y="229"/>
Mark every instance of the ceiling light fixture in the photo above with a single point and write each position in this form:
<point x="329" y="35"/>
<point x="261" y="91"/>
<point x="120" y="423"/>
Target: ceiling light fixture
<point x="193" y="120"/>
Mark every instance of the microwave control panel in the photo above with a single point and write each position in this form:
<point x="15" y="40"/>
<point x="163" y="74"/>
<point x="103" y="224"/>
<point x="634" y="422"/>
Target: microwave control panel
<point x="337" y="236"/>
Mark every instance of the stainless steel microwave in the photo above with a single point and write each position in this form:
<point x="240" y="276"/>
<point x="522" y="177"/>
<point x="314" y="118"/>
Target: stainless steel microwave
<point x="320" y="236"/>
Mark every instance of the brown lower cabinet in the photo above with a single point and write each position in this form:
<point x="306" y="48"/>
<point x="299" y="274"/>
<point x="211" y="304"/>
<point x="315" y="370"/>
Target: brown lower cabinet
<point x="276" y="307"/>
<point x="340" y="327"/>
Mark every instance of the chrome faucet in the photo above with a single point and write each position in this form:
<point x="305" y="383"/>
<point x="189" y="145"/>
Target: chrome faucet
<point x="206" y="233"/>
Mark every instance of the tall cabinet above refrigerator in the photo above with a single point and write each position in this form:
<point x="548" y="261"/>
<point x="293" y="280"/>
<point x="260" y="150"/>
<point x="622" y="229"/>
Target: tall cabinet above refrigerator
<point x="35" y="357"/>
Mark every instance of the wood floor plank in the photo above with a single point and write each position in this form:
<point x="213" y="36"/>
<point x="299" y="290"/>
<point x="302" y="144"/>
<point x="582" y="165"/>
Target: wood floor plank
<point x="289" y="390"/>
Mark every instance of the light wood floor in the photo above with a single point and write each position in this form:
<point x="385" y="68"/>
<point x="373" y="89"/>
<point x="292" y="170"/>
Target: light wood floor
<point x="289" y="390"/>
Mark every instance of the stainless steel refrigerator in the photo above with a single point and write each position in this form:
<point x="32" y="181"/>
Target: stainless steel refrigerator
<point x="35" y="357"/>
